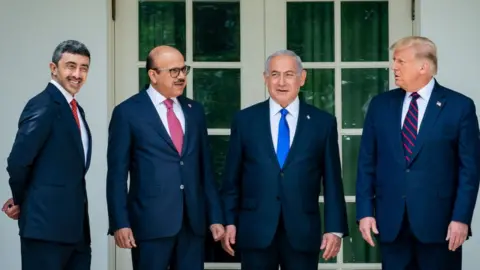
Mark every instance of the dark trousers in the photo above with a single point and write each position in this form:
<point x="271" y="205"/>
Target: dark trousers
<point x="279" y="253"/>
<point x="407" y="253"/>
<point x="47" y="255"/>
<point x="184" y="251"/>
<point x="38" y="254"/>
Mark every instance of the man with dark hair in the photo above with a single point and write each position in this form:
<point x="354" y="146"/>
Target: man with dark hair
<point x="47" y="167"/>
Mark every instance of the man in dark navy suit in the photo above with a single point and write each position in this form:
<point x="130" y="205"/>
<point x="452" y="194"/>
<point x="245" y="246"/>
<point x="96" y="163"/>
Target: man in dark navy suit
<point x="160" y="138"/>
<point x="47" y="167"/>
<point x="282" y="151"/>
<point x="418" y="171"/>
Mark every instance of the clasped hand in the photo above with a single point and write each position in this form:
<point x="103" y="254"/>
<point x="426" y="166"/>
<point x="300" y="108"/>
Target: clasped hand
<point x="11" y="210"/>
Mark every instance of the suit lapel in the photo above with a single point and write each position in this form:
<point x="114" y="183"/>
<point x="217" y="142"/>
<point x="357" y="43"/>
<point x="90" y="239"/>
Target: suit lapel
<point x="153" y="118"/>
<point x="265" y="127"/>
<point x="187" y="110"/>
<point x="89" y="136"/>
<point x="69" y="120"/>
<point x="299" y="131"/>
<point x="434" y="107"/>
<point x="396" y="125"/>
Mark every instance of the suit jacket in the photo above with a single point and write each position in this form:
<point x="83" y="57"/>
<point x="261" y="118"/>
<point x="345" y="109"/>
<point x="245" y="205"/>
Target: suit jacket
<point x="161" y="180"/>
<point x="47" y="170"/>
<point x="441" y="182"/>
<point x="256" y="189"/>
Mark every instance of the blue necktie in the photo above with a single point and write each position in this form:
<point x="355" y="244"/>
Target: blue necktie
<point x="283" y="143"/>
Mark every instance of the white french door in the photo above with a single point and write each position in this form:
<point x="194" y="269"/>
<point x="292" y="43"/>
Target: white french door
<point x="343" y="44"/>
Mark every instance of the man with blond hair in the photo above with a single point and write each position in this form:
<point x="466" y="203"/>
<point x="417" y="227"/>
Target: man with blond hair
<point x="418" y="170"/>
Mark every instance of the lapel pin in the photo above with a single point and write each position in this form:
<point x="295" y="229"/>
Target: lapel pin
<point x="190" y="105"/>
<point x="439" y="104"/>
<point x="308" y="116"/>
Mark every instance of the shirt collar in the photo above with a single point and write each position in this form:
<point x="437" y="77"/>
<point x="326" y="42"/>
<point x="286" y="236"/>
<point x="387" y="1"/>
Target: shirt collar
<point x="62" y="90"/>
<point x="426" y="91"/>
<point x="158" y="98"/>
<point x="292" y="108"/>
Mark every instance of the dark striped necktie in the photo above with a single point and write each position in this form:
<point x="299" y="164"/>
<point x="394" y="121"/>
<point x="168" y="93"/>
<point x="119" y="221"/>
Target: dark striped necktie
<point x="410" y="127"/>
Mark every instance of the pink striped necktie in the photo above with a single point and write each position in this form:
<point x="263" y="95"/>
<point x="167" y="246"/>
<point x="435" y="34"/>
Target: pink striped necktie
<point x="174" y="126"/>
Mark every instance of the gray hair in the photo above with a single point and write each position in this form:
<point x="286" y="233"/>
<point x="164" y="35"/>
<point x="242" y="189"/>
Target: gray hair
<point x="69" y="46"/>
<point x="284" y="52"/>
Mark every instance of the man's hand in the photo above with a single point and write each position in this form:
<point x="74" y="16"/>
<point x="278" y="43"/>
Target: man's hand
<point x="457" y="234"/>
<point x="229" y="239"/>
<point x="218" y="232"/>
<point x="124" y="238"/>
<point x="331" y="245"/>
<point x="367" y="226"/>
<point x="10" y="209"/>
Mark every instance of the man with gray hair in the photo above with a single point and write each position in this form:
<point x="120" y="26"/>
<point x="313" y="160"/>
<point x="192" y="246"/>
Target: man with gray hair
<point x="418" y="168"/>
<point x="47" y="167"/>
<point x="282" y="151"/>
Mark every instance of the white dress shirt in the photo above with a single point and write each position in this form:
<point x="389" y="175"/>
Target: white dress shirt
<point x="422" y="102"/>
<point x="158" y="100"/>
<point x="292" y="120"/>
<point x="83" y="129"/>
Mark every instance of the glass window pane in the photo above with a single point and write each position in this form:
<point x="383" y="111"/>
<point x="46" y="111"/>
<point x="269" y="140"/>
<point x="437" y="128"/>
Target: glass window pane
<point x="160" y="23"/>
<point x="350" y="149"/>
<point x="364" y="31"/>
<point x="144" y="81"/>
<point x="219" y="92"/>
<point x="319" y="89"/>
<point x="216" y="31"/>
<point x="322" y="216"/>
<point x="359" y="86"/>
<point x="310" y="31"/>
<point x="355" y="249"/>
<point x="219" y="148"/>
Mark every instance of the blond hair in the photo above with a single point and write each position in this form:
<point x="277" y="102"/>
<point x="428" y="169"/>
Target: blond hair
<point x="424" y="48"/>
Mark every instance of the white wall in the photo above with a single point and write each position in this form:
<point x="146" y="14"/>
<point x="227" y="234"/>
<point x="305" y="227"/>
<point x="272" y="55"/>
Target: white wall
<point x="29" y="32"/>
<point x="454" y="26"/>
<point x="28" y="36"/>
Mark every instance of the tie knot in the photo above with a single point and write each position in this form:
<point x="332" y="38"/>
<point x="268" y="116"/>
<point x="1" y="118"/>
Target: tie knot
<point x="73" y="103"/>
<point x="415" y="95"/>
<point x="284" y="112"/>
<point x="168" y="103"/>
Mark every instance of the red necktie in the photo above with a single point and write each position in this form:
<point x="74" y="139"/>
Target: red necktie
<point x="75" y="112"/>
<point x="174" y="126"/>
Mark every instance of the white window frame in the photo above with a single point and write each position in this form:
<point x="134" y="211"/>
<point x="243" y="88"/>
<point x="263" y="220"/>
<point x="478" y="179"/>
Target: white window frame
<point x="127" y="65"/>
<point x="257" y="43"/>
<point x="400" y="25"/>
